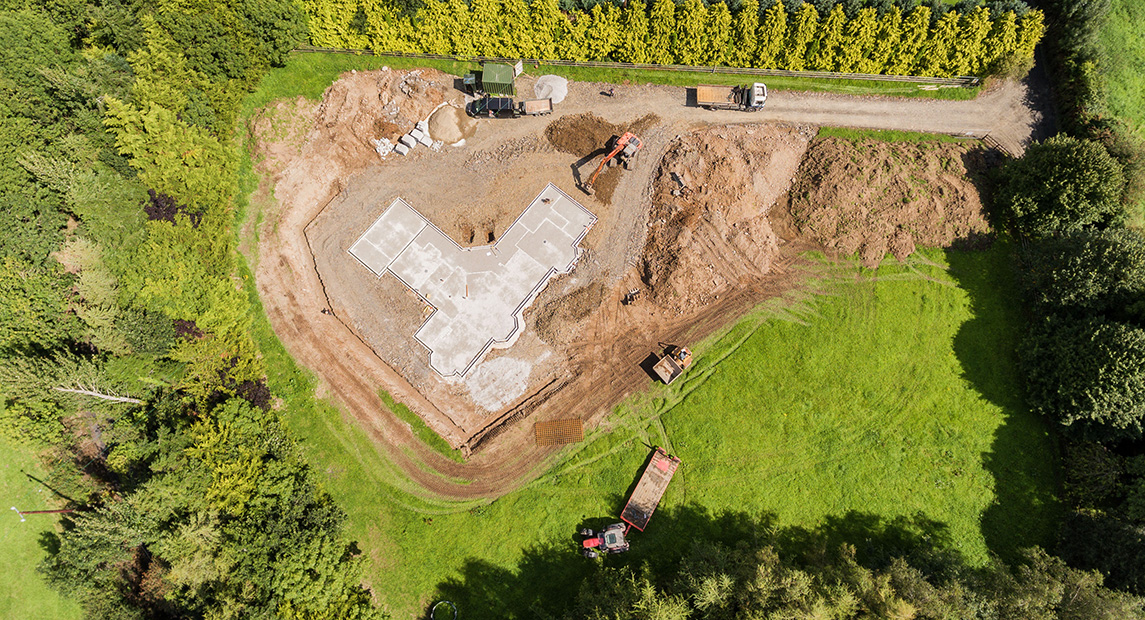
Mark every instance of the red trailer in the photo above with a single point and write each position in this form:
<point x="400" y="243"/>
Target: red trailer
<point x="646" y="496"/>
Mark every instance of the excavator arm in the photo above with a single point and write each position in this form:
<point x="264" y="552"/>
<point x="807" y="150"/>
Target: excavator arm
<point x="592" y="180"/>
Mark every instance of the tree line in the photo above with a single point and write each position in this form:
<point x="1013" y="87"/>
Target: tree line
<point x="1082" y="274"/>
<point x="880" y="39"/>
<point x="126" y="353"/>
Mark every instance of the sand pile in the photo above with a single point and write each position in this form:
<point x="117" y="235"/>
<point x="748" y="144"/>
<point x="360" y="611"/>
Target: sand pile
<point x="709" y="228"/>
<point x="552" y="87"/>
<point x="451" y="125"/>
<point x="874" y="197"/>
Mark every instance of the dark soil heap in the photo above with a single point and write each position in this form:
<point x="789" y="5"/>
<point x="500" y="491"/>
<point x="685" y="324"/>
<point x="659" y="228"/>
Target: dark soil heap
<point x="587" y="135"/>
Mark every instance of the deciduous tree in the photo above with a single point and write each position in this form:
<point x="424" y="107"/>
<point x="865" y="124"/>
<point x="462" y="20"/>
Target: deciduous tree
<point x="1059" y="185"/>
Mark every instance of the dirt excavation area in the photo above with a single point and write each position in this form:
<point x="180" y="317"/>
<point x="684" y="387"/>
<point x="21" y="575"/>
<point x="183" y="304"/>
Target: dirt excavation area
<point x="709" y="219"/>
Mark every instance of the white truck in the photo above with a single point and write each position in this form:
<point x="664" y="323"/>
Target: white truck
<point x="750" y="97"/>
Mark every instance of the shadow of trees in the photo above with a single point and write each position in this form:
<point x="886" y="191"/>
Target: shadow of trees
<point x="1023" y="457"/>
<point x="549" y="575"/>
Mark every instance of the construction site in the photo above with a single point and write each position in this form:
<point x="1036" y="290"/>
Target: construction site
<point x="502" y="272"/>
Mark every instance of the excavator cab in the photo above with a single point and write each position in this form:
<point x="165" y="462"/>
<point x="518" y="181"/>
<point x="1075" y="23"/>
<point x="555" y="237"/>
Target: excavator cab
<point x="624" y="150"/>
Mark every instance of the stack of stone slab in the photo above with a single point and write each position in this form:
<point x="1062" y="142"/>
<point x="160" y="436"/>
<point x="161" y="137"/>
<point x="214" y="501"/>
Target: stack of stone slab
<point x="419" y="135"/>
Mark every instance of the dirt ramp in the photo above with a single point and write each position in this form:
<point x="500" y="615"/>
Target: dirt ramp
<point x="709" y="228"/>
<point x="872" y="197"/>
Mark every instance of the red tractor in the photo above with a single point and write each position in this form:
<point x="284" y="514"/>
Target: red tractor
<point x="609" y="540"/>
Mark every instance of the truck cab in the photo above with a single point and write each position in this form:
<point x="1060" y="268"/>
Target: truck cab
<point x="754" y="95"/>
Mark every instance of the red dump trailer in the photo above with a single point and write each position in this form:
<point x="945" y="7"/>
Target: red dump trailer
<point x="646" y="496"/>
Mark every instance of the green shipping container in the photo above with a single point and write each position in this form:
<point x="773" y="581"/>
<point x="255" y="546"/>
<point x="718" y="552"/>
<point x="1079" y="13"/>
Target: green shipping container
<point x="497" y="79"/>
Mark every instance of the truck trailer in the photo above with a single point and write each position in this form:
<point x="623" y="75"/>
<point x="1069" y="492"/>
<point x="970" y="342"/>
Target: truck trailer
<point x="750" y="97"/>
<point x="648" y="492"/>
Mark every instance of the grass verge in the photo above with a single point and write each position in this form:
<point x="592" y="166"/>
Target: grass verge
<point x="23" y="593"/>
<point x="1123" y="42"/>
<point x="420" y="429"/>
<point x="856" y="135"/>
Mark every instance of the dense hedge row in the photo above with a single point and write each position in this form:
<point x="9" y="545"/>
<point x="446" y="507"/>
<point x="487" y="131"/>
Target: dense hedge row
<point x="891" y="41"/>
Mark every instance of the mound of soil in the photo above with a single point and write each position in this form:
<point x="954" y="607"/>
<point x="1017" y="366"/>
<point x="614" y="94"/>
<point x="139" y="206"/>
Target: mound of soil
<point x="874" y="197"/>
<point x="333" y="139"/>
<point x="581" y="134"/>
<point x="556" y="321"/>
<point x="709" y="227"/>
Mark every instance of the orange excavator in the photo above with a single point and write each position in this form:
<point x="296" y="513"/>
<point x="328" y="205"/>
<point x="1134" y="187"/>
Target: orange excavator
<point x="624" y="150"/>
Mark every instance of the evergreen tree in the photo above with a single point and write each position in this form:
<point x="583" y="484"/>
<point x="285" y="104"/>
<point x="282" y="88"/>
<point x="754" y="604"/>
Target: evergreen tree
<point x="859" y="38"/>
<point x="691" y="37"/>
<point x="999" y="45"/>
<point x="516" y="30"/>
<point x="484" y="18"/>
<point x="634" y="36"/>
<point x="1031" y="27"/>
<point x="799" y="35"/>
<point x="604" y="36"/>
<point x="941" y="42"/>
<point x="548" y="27"/>
<point x="390" y="32"/>
<point x="772" y="36"/>
<point x="718" y="30"/>
<point x="824" y="51"/>
<point x="661" y="30"/>
<point x="887" y="39"/>
<point x="436" y="23"/>
<point x="972" y="30"/>
<point x="744" y="43"/>
<point x="914" y="30"/>
<point x="574" y="45"/>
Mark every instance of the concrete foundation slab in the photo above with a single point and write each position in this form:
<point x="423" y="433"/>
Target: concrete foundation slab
<point x="479" y="294"/>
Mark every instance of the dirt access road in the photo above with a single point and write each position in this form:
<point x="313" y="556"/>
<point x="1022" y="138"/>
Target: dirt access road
<point x="293" y="292"/>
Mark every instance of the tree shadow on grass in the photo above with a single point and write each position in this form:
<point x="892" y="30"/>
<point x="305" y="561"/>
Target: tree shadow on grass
<point x="1023" y="458"/>
<point x="549" y="575"/>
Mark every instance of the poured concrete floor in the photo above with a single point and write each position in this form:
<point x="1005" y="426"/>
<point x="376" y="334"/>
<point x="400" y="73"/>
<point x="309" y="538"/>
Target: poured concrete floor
<point x="478" y="294"/>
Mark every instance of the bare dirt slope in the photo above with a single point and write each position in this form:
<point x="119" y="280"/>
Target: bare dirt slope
<point x="586" y="347"/>
<point x="872" y="197"/>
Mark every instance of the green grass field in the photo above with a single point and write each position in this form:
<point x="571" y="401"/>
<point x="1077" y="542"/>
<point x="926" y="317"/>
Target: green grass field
<point x="890" y="395"/>
<point x="23" y="594"/>
<point x="1123" y="40"/>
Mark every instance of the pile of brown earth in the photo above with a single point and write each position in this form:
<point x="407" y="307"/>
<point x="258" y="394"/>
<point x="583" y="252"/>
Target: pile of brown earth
<point x="335" y="138"/>
<point x="709" y="228"/>
<point x="586" y="135"/>
<point x="871" y="198"/>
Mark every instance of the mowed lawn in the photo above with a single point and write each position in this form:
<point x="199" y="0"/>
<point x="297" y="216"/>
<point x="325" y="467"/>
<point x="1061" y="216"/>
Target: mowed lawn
<point x="897" y="397"/>
<point x="891" y="394"/>
<point x="23" y="594"/>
